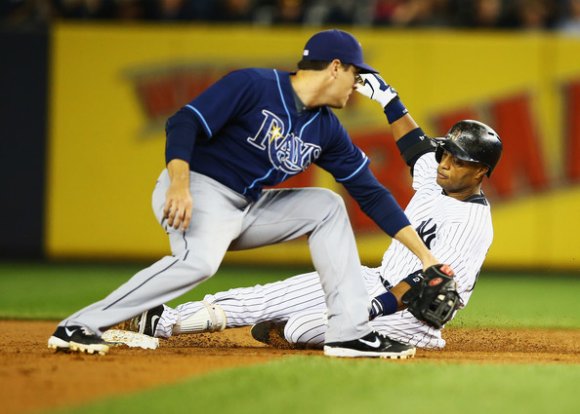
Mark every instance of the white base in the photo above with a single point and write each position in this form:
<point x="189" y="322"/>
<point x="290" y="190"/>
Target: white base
<point x="131" y="339"/>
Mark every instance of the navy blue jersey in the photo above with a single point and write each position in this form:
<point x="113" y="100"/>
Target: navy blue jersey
<point x="246" y="132"/>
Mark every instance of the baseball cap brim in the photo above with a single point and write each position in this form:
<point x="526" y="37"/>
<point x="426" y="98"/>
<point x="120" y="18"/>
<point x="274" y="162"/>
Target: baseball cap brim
<point x="364" y="68"/>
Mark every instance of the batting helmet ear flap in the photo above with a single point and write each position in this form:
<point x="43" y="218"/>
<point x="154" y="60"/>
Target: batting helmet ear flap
<point x="439" y="153"/>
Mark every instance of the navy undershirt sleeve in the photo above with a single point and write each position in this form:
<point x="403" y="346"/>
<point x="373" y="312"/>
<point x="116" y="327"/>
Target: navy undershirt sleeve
<point x="413" y="145"/>
<point x="377" y="202"/>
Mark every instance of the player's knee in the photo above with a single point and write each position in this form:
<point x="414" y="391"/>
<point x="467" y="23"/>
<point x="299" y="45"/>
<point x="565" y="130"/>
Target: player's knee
<point x="291" y="334"/>
<point x="331" y="198"/>
<point x="305" y="330"/>
<point x="329" y="203"/>
<point x="199" y="269"/>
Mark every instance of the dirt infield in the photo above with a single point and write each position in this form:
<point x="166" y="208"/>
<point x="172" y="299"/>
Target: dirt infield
<point x="32" y="377"/>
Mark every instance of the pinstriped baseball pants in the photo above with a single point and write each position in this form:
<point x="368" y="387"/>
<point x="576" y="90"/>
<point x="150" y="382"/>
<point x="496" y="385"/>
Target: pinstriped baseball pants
<point x="299" y="300"/>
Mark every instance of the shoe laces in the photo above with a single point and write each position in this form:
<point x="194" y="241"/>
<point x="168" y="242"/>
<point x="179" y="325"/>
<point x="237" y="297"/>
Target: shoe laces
<point x="384" y="338"/>
<point x="381" y="336"/>
<point x="389" y="339"/>
<point x="87" y="331"/>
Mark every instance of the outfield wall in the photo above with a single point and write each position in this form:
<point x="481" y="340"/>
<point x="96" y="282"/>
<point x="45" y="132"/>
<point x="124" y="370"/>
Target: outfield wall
<point x="113" y="87"/>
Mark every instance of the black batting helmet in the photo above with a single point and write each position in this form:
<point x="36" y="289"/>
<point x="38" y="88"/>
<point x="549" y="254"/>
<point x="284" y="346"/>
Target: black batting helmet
<point x="471" y="141"/>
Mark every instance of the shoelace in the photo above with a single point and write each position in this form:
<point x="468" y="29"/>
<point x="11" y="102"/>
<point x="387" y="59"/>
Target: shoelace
<point x="87" y="331"/>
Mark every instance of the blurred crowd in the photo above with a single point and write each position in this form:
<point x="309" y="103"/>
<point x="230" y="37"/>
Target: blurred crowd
<point x="561" y="15"/>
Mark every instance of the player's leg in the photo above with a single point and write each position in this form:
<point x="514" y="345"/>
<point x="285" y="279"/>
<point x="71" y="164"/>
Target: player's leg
<point x="282" y="215"/>
<point x="237" y="307"/>
<point x="405" y="328"/>
<point x="306" y="329"/>
<point x="216" y="220"/>
<point x="272" y="303"/>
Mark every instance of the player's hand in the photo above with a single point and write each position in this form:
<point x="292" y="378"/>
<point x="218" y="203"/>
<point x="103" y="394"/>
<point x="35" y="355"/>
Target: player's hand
<point x="428" y="260"/>
<point x="434" y="299"/>
<point x="373" y="86"/>
<point x="178" y="206"/>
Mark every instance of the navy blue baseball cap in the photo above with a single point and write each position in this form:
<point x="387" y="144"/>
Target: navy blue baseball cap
<point x="336" y="44"/>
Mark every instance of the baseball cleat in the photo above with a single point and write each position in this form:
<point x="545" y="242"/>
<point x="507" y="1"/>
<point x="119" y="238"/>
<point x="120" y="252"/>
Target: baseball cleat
<point x="146" y="323"/>
<point x="373" y="345"/>
<point x="270" y="333"/>
<point x="77" y="339"/>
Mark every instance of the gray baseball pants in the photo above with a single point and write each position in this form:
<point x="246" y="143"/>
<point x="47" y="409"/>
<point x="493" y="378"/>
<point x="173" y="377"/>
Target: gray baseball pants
<point x="224" y="220"/>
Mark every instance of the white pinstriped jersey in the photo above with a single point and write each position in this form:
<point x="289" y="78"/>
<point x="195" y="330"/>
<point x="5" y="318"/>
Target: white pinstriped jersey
<point x="458" y="233"/>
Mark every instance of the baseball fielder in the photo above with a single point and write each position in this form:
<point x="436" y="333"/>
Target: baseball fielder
<point x="450" y="213"/>
<point x="256" y="128"/>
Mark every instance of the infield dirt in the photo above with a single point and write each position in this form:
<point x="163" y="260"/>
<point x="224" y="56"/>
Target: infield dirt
<point x="33" y="377"/>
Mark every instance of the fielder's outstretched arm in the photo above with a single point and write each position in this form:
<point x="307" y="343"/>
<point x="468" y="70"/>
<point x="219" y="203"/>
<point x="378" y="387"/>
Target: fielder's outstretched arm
<point x="409" y="237"/>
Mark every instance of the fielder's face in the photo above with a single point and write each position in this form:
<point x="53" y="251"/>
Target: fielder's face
<point x="459" y="179"/>
<point x="343" y="86"/>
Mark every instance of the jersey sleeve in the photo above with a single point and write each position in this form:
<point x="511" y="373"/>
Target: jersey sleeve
<point x="377" y="202"/>
<point x="208" y="113"/>
<point x="418" y="151"/>
<point x="226" y="98"/>
<point x="340" y="156"/>
<point x="350" y="167"/>
<point x="425" y="173"/>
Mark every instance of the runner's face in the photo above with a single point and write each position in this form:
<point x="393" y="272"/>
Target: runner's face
<point x="456" y="176"/>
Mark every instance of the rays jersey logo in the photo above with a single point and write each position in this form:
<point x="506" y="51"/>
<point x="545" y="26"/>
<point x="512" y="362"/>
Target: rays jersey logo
<point x="287" y="153"/>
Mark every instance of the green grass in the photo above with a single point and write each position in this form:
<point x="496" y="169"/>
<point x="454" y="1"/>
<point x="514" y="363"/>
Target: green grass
<point x="295" y="385"/>
<point x="323" y="385"/>
<point x="53" y="291"/>
<point x="504" y="300"/>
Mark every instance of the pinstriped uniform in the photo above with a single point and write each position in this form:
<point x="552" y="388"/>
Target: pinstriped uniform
<point x="275" y="301"/>
<point x="459" y="233"/>
<point x="462" y="231"/>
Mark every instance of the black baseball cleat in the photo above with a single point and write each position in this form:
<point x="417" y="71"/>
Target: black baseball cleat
<point x="373" y="345"/>
<point x="146" y="322"/>
<point x="77" y="339"/>
<point x="271" y="333"/>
